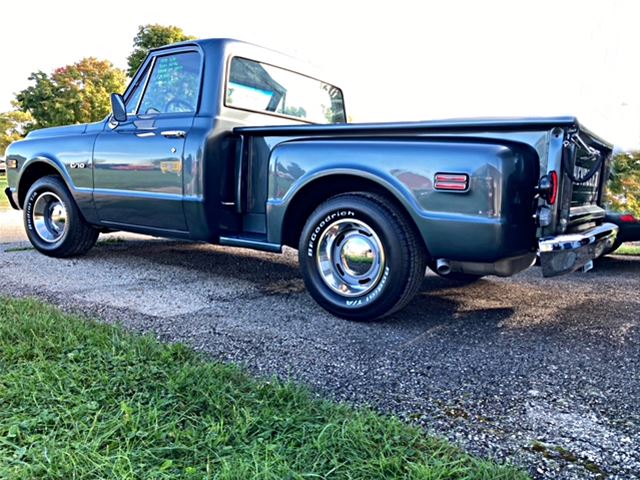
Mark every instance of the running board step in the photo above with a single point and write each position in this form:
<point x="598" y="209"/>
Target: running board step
<point x="254" y="243"/>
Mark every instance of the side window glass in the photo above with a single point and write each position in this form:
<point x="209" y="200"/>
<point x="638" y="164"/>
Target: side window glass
<point x="134" y="98"/>
<point x="173" y="85"/>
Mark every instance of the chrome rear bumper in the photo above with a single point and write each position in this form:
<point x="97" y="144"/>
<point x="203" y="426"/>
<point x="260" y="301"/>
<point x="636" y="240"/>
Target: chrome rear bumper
<point x="567" y="253"/>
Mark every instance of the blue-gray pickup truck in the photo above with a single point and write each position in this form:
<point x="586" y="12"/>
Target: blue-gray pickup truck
<point x="230" y="143"/>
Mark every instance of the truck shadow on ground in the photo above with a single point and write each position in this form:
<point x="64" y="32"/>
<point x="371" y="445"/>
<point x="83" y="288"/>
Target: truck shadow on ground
<point x="437" y="312"/>
<point x="258" y="267"/>
<point x="437" y="304"/>
<point x="617" y="264"/>
<point x="204" y="257"/>
<point x="486" y="304"/>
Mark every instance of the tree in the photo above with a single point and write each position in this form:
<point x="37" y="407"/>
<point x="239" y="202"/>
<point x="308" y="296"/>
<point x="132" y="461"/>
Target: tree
<point x="624" y="187"/>
<point x="13" y="126"/>
<point x="152" y="36"/>
<point x="77" y="93"/>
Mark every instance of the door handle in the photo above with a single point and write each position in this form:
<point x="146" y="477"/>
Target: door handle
<point x="174" y="134"/>
<point x="145" y="134"/>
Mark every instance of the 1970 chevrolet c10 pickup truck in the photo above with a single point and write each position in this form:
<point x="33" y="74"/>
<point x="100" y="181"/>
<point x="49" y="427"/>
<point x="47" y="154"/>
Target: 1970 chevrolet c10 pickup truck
<point x="226" y="142"/>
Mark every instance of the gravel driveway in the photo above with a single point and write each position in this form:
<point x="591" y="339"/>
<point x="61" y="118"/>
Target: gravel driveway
<point x="545" y="373"/>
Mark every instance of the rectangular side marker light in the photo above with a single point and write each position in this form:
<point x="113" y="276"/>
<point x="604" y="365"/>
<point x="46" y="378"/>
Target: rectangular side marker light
<point x="452" y="182"/>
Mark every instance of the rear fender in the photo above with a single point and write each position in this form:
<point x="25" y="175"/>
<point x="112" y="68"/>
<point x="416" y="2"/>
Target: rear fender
<point x="489" y="221"/>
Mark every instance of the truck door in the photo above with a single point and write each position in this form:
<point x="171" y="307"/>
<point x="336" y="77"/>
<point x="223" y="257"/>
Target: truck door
<point x="138" y="164"/>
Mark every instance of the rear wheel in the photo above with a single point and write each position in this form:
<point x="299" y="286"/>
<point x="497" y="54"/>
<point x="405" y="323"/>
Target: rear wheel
<point x="360" y="257"/>
<point x="53" y="222"/>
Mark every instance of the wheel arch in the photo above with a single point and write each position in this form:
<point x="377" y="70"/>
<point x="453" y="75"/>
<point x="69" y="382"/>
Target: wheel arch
<point x="35" y="169"/>
<point x="306" y="198"/>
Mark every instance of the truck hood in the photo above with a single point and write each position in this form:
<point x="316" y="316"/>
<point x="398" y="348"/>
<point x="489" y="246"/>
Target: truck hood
<point x="58" y="131"/>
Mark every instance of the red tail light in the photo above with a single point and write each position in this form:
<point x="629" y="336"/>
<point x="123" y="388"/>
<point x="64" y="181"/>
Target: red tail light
<point x="548" y="187"/>
<point x="554" y="188"/>
<point x="628" y="218"/>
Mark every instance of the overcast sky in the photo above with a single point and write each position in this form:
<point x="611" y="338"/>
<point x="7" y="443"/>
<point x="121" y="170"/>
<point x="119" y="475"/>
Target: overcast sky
<point x="397" y="60"/>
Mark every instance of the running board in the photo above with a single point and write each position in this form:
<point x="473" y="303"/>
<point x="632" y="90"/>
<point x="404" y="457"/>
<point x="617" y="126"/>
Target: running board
<point x="244" y="242"/>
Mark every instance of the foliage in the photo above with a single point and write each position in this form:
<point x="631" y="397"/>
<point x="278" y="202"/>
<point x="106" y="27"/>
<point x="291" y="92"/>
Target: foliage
<point x="152" y="36"/>
<point x="86" y="400"/>
<point x="624" y="186"/>
<point x="77" y="93"/>
<point x="13" y="126"/>
<point x="299" y="112"/>
<point x="4" y="202"/>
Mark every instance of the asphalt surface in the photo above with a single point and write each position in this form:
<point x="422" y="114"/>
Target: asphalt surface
<point x="544" y="373"/>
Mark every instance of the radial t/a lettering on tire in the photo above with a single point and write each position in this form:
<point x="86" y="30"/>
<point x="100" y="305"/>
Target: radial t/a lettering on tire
<point x="360" y="257"/>
<point x="53" y="222"/>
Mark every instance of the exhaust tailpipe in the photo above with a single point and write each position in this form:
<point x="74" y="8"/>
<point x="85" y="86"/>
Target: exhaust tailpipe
<point x="443" y="267"/>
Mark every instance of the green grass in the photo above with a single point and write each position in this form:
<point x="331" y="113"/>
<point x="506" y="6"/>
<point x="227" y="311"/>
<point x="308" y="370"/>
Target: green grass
<point x="85" y="400"/>
<point x="4" y="203"/>
<point x="628" y="249"/>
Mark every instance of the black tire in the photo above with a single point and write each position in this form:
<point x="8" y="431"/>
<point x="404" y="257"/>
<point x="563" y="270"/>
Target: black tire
<point x="616" y="245"/>
<point x="455" y="276"/>
<point x="400" y="270"/>
<point x="75" y="238"/>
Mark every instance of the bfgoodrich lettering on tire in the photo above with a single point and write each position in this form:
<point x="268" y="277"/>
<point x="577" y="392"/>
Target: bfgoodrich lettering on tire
<point x="360" y="258"/>
<point x="53" y="222"/>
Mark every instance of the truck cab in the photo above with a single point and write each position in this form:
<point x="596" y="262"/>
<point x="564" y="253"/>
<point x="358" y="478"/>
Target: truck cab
<point x="230" y="143"/>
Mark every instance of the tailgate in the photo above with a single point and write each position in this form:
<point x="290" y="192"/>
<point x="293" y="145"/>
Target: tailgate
<point x="581" y="235"/>
<point x="585" y="171"/>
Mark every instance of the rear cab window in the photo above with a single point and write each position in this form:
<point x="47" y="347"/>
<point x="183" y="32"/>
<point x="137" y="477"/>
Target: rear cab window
<point x="264" y="88"/>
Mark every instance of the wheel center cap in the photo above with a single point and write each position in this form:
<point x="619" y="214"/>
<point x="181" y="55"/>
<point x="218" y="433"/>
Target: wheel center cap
<point x="58" y="216"/>
<point x="357" y="255"/>
<point x="49" y="217"/>
<point x="350" y="257"/>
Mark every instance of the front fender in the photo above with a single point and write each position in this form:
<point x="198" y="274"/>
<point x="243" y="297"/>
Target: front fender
<point x="70" y="157"/>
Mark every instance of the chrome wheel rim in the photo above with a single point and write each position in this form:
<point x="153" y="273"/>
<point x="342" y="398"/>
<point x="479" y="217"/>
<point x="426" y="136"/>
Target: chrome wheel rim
<point x="350" y="258"/>
<point x="49" y="217"/>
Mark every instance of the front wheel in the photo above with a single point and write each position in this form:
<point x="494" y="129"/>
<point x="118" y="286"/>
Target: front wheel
<point x="360" y="257"/>
<point x="53" y="222"/>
